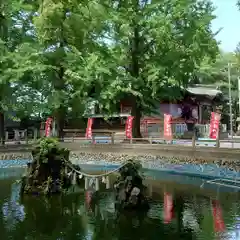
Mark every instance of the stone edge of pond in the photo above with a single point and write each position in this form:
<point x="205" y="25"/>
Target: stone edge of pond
<point x="179" y="165"/>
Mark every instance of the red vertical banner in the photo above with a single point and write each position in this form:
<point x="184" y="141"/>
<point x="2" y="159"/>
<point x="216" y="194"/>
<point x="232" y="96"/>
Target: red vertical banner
<point x="168" y="208"/>
<point x="48" y="127"/>
<point x="89" y="128"/>
<point x="129" y="124"/>
<point x="167" y="127"/>
<point x="214" y="125"/>
<point x="219" y="225"/>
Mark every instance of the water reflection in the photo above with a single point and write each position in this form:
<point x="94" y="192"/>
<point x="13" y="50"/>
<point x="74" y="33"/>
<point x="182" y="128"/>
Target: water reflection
<point x="174" y="214"/>
<point x="219" y="225"/>
<point x="168" y="207"/>
<point x="12" y="211"/>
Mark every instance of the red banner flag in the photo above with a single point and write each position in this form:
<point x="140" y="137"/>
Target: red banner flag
<point x="89" y="128"/>
<point x="214" y="125"/>
<point x="48" y="127"/>
<point x="219" y="225"/>
<point x="168" y="208"/>
<point x="128" y="129"/>
<point x="167" y="127"/>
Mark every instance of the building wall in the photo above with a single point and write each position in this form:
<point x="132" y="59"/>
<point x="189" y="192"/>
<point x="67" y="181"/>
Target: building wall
<point x="164" y="108"/>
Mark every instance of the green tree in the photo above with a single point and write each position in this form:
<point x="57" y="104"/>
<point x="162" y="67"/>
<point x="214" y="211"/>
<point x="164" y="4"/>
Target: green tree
<point x="4" y="85"/>
<point x="66" y="38"/>
<point x="215" y="71"/>
<point x="59" y="54"/>
<point x="216" y="74"/>
<point x="16" y="35"/>
<point x="154" y="48"/>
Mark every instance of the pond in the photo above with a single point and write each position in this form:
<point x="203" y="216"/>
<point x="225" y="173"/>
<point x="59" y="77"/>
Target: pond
<point x="180" y="209"/>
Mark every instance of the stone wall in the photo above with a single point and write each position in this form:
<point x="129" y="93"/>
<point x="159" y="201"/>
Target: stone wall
<point x="186" y="159"/>
<point x="173" y="164"/>
<point x="15" y="155"/>
<point x="206" y="154"/>
<point x="199" y="161"/>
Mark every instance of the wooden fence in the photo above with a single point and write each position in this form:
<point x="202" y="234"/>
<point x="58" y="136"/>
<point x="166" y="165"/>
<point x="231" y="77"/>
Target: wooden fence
<point x="111" y="137"/>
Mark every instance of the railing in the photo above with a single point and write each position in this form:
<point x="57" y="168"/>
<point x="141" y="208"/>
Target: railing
<point x="115" y="140"/>
<point x="152" y="129"/>
<point x="178" y="129"/>
<point x="17" y="135"/>
<point x="112" y="137"/>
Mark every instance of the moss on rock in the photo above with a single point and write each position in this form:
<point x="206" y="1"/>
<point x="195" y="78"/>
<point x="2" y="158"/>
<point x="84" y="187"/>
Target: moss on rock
<point x="130" y="191"/>
<point x="48" y="172"/>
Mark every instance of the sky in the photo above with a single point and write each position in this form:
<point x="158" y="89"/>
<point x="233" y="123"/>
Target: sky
<point x="228" y="18"/>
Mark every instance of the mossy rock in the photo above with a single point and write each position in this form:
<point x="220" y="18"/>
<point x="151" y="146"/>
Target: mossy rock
<point x="130" y="191"/>
<point x="48" y="172"/>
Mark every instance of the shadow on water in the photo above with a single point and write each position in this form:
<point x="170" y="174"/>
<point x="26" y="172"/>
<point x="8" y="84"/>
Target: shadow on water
<point x="176" y="213"/>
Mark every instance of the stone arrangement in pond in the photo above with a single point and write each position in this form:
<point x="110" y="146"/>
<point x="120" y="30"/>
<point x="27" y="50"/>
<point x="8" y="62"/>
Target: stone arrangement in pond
<point x="130" y="191"/>
<point x="48" y="172"/>
<point x="51" y="172"/>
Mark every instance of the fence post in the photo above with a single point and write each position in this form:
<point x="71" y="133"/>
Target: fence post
<point x="6" y="136"/>
<point x="26" y="135"/>
<point x="218" y="140"/>
<point x="73" y="136"/>
<point x="131" y="141"/>
<point x="112" y="138"/>
<point x="194" y="140"/>
<point x="150" y="139"/>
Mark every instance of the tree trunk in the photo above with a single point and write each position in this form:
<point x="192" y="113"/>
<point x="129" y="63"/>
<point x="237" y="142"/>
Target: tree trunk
<point x="134" y="70"/>
<point x="61" y="111"/>
<point x="60" y="121"/>
<point x="2" y="128"/>
<point x="60" y="84"/>
<point x="4" y="37"/>
<point x="136" y="113"/>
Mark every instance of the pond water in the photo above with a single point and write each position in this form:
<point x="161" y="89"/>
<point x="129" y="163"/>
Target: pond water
<point x="180" y="209"/>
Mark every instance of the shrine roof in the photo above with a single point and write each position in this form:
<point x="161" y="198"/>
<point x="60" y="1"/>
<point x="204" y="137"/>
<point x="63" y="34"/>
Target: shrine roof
<point x="116" y="115"/>
<point x="204" y="91"/>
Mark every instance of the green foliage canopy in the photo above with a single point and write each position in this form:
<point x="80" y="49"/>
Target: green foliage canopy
<point x="59" y="54"/>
